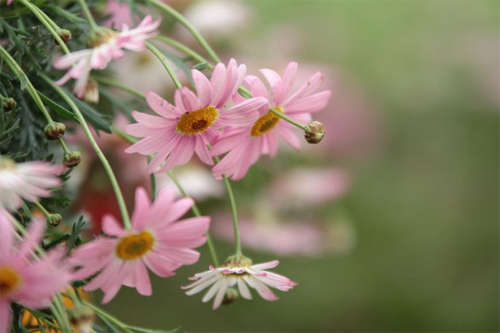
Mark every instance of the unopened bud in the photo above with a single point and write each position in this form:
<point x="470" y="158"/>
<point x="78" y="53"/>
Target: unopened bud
<point x="230" y="296"/>
<point x="314" y="132"/>
<point x="8" y="104"/>
<point x="72" y="159"/>
<point x="83" y="318"/>
<point x="65" y="35"/>
<point x="54" y="220"/>
<point x="91" y="94"/>
<point x="54" y="131"/>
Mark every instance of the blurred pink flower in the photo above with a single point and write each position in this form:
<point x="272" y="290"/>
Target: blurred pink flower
<point x="193" y="122"/>
<point x="120" y="14"/>
<point x="28" y="181"/>
<point x="156" y="241"/>
<point x="239" y="272"/>
<point x="23" y="279"/>
<point x="245" y="145"/>
<point x="106" y="46"/>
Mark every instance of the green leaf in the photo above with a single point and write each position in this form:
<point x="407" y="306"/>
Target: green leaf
<point x="98" y="120"/>
<point x="201" y="66"/>
<point x="60" y="110"/>
<point x="67" y="15"/>
<point x="74" y="239"/>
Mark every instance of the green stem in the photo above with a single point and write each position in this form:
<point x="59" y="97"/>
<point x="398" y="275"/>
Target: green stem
<point x="152" y="179"/>
<point x="118" y="85"/>
<point x="167" y="66"/>
<point x="65" y="324"/>
<point x="234" y="213"/>
<point x="47" y="22"/>
<point x="197" y="213"/>
<point x="109" y="317"/>
<point x="64" y="146"/>
<point x="89" y="16"/>
<point x="184" y="49"/>
<point x="169" y="10"/>
<point x="98" y="151"/>
<point x="44" y="211"/>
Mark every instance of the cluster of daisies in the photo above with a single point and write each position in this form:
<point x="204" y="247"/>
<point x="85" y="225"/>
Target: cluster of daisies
<point x="228" y="122"/>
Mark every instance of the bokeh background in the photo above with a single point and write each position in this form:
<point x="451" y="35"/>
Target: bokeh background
<point x="391" y="223"/>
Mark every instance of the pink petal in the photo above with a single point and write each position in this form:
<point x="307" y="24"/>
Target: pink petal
<point x="141" y="209"/>
<point x="143" y="285"/>
<point x="161" y="106"/>
<point x="312" y="103"/>
<point x="203" y="88"/>
<point x="111" y="226"/>
<point x="266" y="265"/>
<point x="284" y="86"/>
<point x="155" y="264"/>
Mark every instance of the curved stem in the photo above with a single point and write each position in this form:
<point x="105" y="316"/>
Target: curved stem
<point x="118" y="85"/>
<point x="89" y="16"/>
<point x="184" y="49"/>
<point x="109" y="317"/>
<point x="42" y="209"/>
<point x="165" y="64"/>
<point x="95" y="146"/>
<point x="169" y="10"/>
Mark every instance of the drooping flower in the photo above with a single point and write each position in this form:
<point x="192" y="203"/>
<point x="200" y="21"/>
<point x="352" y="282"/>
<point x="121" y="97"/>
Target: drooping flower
<point x="156" y="241"/>
<point x="28" y="180"/>
<point x="242" y="273"/>
<point x="193" y="122"/>
<point x="105" y="45"/>
<point x="23" y="279"/>
<point x="246" y="144"/>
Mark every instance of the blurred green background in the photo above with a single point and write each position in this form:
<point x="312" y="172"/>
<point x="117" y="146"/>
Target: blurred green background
<point x="424" y="205"/>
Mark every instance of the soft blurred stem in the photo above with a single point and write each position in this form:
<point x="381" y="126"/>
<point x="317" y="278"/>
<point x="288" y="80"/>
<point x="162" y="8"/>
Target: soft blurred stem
<point x="197" y="213"/>
<point x="89" y="16"/>
<point x="47" y="22"/>
<point x="65" y="324"/>
<point x="184" y="49"/>
<point x="169" y="10"/>
<point x="109" y="317"/>
<point x="165" y="64"/>
<point x="42" y="209"/>
<point x="18" y="71"/>
<point x="247" y="94"/>
<point x="95" y="146"/>
<point x="113" y="83"/>
<point x="152" y="179"/>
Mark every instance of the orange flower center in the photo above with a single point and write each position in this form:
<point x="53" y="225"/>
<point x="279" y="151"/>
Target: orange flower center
<point x="198" y="121"/>
<point x="265" y="123"/>
<point x="10" y="281"/>
<point x="134" y="246"/>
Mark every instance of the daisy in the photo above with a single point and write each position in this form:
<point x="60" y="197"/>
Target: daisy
<point x="28" y="180"/>
<point x="23" y="279"/>
<point x="156" y="241"/>
<point x="193" y="122"/>
<point x="239" y="272"/>
<point x="105" y="45"/>
<point x="246" y="145"/>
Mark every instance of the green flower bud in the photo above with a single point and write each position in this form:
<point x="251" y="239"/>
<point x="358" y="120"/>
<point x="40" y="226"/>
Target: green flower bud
<point x="315" y="131"/>
<point x="65" y="35"/>
<point x="54" y="220"/>
<point x="54" y="131"/>
<point x="8" y="104"/>
<point x="72" y="159"/>
<point x="230" y="296"/>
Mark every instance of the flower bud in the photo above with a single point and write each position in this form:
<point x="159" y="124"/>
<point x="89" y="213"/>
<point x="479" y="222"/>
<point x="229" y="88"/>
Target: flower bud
<point x="8" y="104"/>
<point x="83" y="318"/>
<point x="91" y="94"/>
<point x="314" y="132"/>
<point x="230" y="296"/>
<point x="54" y="130"/>
<point x="54" y="220"/>
<point x="72" y="159"/>
<point x="65" y="35"/>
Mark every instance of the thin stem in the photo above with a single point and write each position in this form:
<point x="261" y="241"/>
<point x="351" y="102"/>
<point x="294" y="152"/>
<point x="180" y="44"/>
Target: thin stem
<point x="118" y="85"/>
<point x="89" y="16"/>
<point x="169" y="10"/>
<point x="196" y="213"/>
<point x="169" y="69"/>
<point x="234" y="213"/>
<point x="44" y="211"/>
<point x="65" y="325"/>
<point x="109" y="317"/>
<point x="152" y="179"/>
<point x="184" y="49"/>
<point x="64" y="146"/>
<point x="47" y="22"/>
<point x="100" y="155"/>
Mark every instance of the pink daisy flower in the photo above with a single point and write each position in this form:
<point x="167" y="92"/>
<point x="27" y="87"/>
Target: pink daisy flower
<point x="239" y="272"/>
<point x="105" y="45"/>
<point x="245" y="145"/>
<point x="23" y="279"/>
<point x="156" y="241"/>
<point x="191" y="124"/>
<point x="28" y="180"/>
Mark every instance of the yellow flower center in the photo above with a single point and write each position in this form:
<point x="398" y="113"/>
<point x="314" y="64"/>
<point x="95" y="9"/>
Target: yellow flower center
<point x="265" y="123"/>
<point x="10" y="281"/>
<point x="198" y="121"/>
<point x="100" y="37"/>
<point x="134" y="246"/>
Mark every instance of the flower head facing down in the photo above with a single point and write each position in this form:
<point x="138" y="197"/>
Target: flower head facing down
<point x="241" y="273"/>
<point x="245" y="145"/>
<point x="28" y="180"/>
<point x="23" y="279"/>
<point x="104" y="46"/>
<point x="156" y="241"/>
<point x="194" y="121"/>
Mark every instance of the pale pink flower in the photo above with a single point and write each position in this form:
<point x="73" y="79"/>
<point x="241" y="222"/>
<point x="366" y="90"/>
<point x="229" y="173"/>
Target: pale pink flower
<point x="23" y="279"/>
<point x="29" y="181"/>
<point x="239" y="272"/>
<point x="106" y="46"/>
<point x="245" y="145"/>
<point x="156" y="241"/>
<point x="191" y="124"/>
